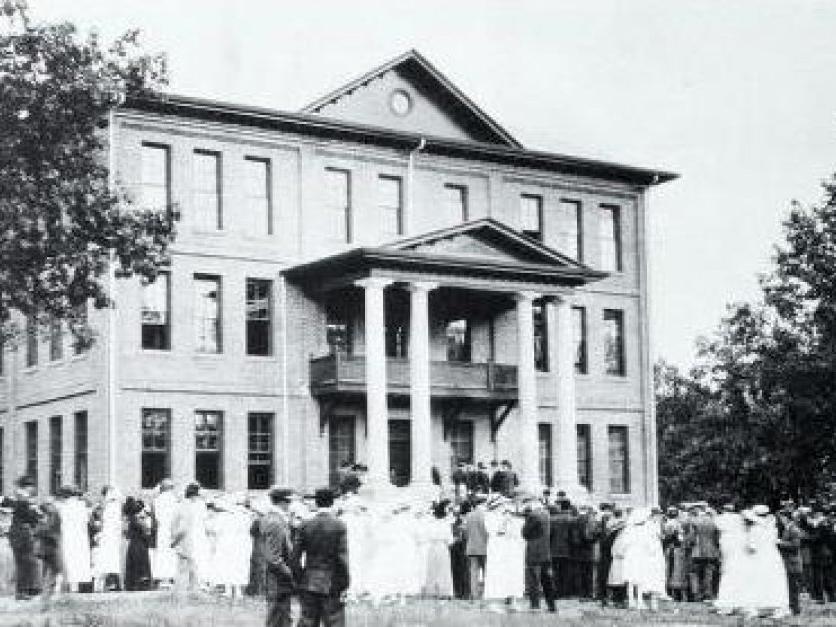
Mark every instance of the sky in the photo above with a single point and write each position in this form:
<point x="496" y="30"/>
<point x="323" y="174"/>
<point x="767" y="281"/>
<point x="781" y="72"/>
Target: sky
<point x="736" y="96"/>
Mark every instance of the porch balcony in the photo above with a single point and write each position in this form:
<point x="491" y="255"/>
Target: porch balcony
<point x="340" y="374"/>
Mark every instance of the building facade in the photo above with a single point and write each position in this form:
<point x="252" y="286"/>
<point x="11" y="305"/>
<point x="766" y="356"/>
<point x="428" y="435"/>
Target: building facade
<point x="387" y="276"/>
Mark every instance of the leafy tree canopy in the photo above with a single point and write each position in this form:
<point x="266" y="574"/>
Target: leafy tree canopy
<point x="60" y="219"/>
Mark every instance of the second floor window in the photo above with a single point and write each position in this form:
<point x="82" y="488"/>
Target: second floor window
<point x="207" y="311"/>
<point x="458" y="340"/>
<point x="156" y="321"/>
<point x="455" y="204"/>
<point x="338" y="199"/>
<point x="531" y="216"/>
<point x="541" y="336"/>
<point x="258" y="203"/>
<point x="390" y="201"/>
<point x="206" y="197"/>
<point x="609" y="238"/>
<point x="258" y="316"/>
<point x="571" y="229"/>
<point x="614" y="342"/>
<point x="338" y="334"/>
<point x="155" y="177"/>
<point x="579" y="333"/>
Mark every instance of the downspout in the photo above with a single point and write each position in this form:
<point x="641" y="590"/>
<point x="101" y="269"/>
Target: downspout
<point x="410" y="176"/>
<point x="285" y="404"/>
<point x="111" y="314"/>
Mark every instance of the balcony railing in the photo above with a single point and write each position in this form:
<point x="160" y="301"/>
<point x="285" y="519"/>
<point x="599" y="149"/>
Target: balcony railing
<point x="338" y="373"/>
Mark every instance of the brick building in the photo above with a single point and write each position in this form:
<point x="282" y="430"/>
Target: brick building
<point x="387" y="276"/>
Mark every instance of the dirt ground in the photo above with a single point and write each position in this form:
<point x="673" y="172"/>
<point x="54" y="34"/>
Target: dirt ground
<point x="162" y="609"/>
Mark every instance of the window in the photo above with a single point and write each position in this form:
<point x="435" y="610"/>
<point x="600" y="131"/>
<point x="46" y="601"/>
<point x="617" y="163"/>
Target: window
<point x="397" y="339"/>
<point x="156" y="456"/>
<point x="614" y="342"/>
<point x="544" y="438"/>
<point x="579" y="334"/>
<point x="541" y="336"/>
<point x="207" y="313"/>
<point x="338" y="334"/>
<point x="458" y="340"/>
<point x="80" y="434"/>
<point x="571" y="229"/>
<point x="31" y="341"/>
<point x="531" y="216"/>
<point x="338" y="200"/>
<point x="455" y="203"/>
<point x="609" y="238"/>
<point x="259" y="315"/>
<point x="584" y="456"/>
<point x="56" y="340"/>
<point x="259" y="451"/>
<point x="390" y="200"/>
<point x="55" y="446"/>
<point x="32" y="451"/>
<point x="156" y="318"/>
<point x="258" y="199"/>
<point x="461" y="443"/>
<point x="619" y="460"/>
<point x="206" y="191"/>
<point x="155" y="175"/>
<point x="208" y="459"/>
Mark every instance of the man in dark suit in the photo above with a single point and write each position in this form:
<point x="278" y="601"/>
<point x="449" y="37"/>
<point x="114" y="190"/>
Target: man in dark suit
<point x="561" y="522"/>
<point x="704" y="538"/>
<point x="278" y="552"/>
<point x="538" y="571"/>
<point x="323" y="541"/>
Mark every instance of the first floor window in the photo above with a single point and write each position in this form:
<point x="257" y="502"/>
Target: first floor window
<point x="541" y="336"/>
<point x="259" y="451"/>
<point x="81" y="450"/>
<point x="208" y="429"/>
<point x="32" y="451"/>
<point x="55" y="446"/>
<point x="544" y="438"/>
<point x="619" y="460"/>
<point x="579" y="333"/>
<point x="458" y="340"/>
<point x="584" y="457"/>
<point x="259" y="309"/>
<point x="156" y="321"/>
<point x="614" y="342"/>
<point x="207" y="313"/>
<point x="156" y="440"/>
<point x="461" y="443"/>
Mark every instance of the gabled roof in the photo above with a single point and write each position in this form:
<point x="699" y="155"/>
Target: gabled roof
<point x="507" y="255"/>
<point x="419" y="67"/>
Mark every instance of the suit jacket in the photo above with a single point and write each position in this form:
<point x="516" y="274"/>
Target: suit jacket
<point x="789" y="544"/>
<point x="323" y="540"/>
<point x="475" y="533"/>
<point x="536" y="531"/>
<point x="704" y="537"/>
<point x="278" y="553"/>
<point x="561" y="531"/>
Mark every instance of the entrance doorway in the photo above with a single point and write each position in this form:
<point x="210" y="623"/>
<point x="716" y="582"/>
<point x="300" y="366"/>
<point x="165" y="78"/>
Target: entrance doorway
<point x="341" y="445"/>
<point x="400" y="452"/>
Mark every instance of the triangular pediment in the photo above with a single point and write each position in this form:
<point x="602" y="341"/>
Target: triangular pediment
<point x="485" y="240"/>
<point x="409" y="94"/>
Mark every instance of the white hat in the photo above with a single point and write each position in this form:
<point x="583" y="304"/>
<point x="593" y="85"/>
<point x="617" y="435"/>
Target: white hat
<point x="760" y="510"/>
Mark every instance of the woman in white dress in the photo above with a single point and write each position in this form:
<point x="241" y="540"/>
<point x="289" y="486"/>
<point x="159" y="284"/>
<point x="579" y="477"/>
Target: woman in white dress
<point x="107" y="557"/>
<point x="505" y="569"/>
<point x="438" y="580"/>
<point x="163" y="557"/>
<point x="643" y="560"/>
<point x="75" y="542"/>
<point x="734" y="574"/>
<point x="766" y="588"/>
<point x="232" y="547"/>
<point x="356" y="520"/>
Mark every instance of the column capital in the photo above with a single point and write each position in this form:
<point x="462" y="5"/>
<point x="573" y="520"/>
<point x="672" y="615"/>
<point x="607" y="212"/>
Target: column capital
<point x="526" y="296"/>
<point x="421" y="286"/>
<point x="374" y="282"/>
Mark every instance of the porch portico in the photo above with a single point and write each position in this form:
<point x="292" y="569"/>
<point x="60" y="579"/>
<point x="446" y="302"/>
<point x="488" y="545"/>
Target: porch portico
<point x="405" y="293"/>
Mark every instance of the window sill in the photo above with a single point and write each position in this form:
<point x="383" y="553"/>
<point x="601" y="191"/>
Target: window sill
<point x="80" y="356"/>
<point x="209" y="356"/>
<point x="156" y="351"/>
<point x="54" y="363"/>
<point x="260" y="358"/>
<point x="616" y="378"/>
<point x="213" y="233"/>
<point x="29" y="370"/>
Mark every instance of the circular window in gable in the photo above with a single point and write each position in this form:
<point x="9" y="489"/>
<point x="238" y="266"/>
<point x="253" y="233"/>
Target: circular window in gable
<point x="400" y="102"/>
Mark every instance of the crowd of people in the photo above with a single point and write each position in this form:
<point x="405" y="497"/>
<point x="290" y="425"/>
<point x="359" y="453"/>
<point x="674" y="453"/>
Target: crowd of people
<point x="479" y="540"/>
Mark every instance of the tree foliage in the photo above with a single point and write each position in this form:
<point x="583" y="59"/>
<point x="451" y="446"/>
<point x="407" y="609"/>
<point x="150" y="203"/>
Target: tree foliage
<point x="754" y="420"/>
<point x="60" y="219"/>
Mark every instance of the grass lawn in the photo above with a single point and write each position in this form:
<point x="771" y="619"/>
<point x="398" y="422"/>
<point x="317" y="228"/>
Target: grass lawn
<point x="163" y="609"/>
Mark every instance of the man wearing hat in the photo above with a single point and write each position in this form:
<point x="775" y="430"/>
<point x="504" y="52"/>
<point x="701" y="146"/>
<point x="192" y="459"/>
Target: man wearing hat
<point x="22" y="540"/>
<point x="323" y="541"/>
<point x="538" y="571"/>
<point x="278" y="555"/>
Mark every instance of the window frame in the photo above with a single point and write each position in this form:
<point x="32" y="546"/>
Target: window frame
<point x="614" y="237"/>
<point x="464" y="197"/>
<point x="545" y="459"/>
<point x="584" y="444"/>
<point x="581" y="361"/>
<point x="577" y="218"/>
<point x="399" y="208"/>
<point x="540" y="322"/>
<point x="218" y="191"/>
<point x="217" y="279"/>
<point x="621" y="367"/>
<point x="166" y="276"/>
<point x="155" y="433"/>
<point x="347" y="211"/>
<point x="268" y="321"/>
<point x="56" y="453"/>
<point x="268" y="189"/>
<point x="269" y="452"/>
<point x="619" y="483"/>
<point x="166" y="150"/>
<point x="217" y="451"/>
<point x="81" y="450"/>
<point x="538" y="199"/>
<point x="31" y="442"/>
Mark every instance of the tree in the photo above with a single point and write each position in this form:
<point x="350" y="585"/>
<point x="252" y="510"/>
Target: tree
<point x="755" y="420"/>
<point x="61" y="220"/>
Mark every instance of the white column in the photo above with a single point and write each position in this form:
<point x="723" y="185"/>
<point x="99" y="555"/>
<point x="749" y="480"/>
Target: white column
<point x="527" y="386"/>
<point x="377" y="413"/>
<point x="567" y="438"/>
<point x="419" y="383"/>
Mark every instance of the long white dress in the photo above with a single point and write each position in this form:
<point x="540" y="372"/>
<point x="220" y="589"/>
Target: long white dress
<point x="75" y="542"/>
<point x="163" y="558"/>
<point x="438" y="580"/>
<point x="505" y="562"/>
<point x="734" y="573"/>
<point x="108" y="554"/>
<point x="766" y="587"/>
<point x="357" y="525"/>
<point x="230" y="560"/>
